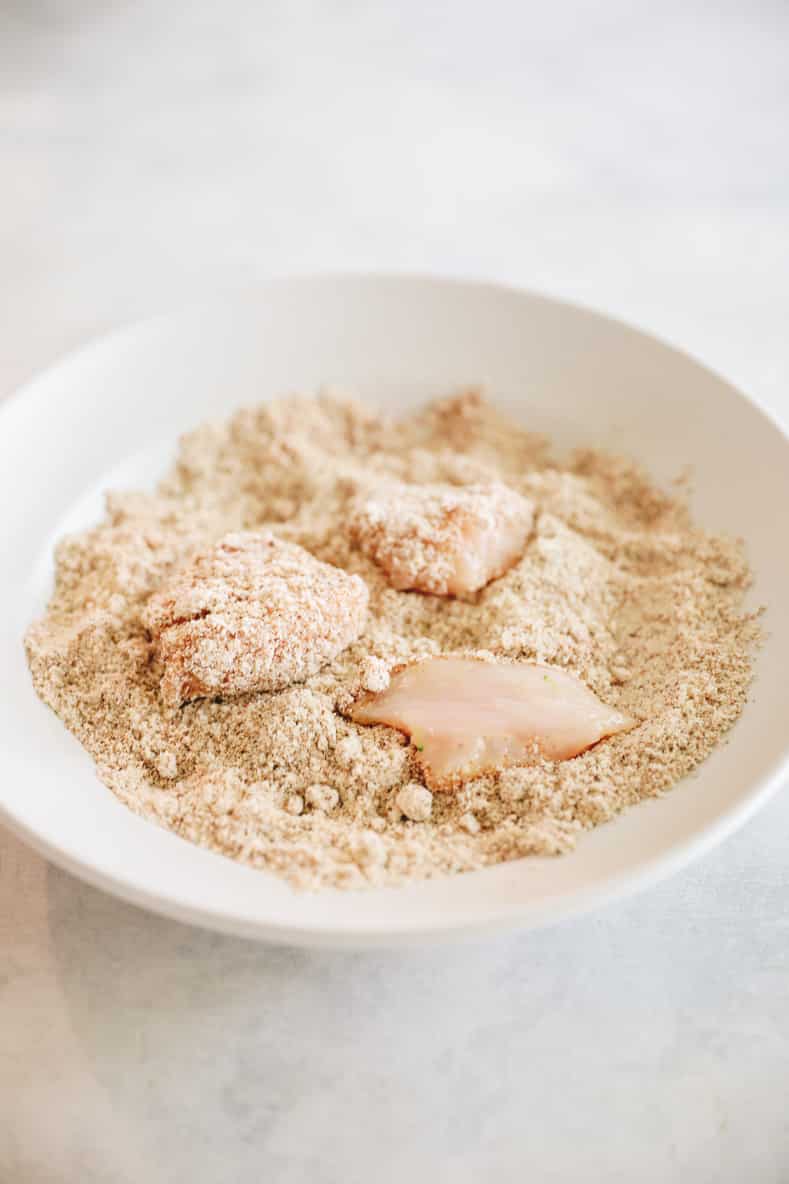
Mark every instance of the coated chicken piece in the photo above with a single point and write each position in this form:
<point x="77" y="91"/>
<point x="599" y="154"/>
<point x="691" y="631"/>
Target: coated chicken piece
<point x="253" y="613"/>
<point x="448" y="540"/>
<point x="466" y="715"/>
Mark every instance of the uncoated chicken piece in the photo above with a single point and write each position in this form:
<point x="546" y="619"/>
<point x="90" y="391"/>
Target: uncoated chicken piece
<point x="253" y="613"/>
<point x="465" y="715"/>
<point x="449" y="540"/>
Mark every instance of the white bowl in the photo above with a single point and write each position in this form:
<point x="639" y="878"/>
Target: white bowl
<point x="110" y="414"/>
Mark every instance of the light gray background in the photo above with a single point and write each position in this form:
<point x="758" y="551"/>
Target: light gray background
<point x="632" y="156"/>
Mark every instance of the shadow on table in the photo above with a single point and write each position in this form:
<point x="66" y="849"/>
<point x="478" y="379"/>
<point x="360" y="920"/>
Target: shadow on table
<point x="212" y="1045"/>
<point x="234" y="1061"/>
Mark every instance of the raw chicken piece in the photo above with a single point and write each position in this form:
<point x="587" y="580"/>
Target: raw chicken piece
<point x="252" y="613"/>
<point x="450" y="540"/>
<point x="465" y="715"/>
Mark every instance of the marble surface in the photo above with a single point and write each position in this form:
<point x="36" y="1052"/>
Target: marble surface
<point x="631" y="156"/>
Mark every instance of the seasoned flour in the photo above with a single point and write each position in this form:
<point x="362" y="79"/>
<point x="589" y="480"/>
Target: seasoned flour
<point x="616" y="584"/>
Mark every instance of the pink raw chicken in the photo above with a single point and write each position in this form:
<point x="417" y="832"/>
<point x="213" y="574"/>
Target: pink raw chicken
<point x="466" y="715"/>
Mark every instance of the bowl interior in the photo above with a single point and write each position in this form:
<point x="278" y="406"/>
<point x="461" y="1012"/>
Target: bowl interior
<point x="109" y="415"/>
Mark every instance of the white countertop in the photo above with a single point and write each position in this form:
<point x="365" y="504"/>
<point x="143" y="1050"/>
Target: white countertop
<point x="633" y="157"/>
